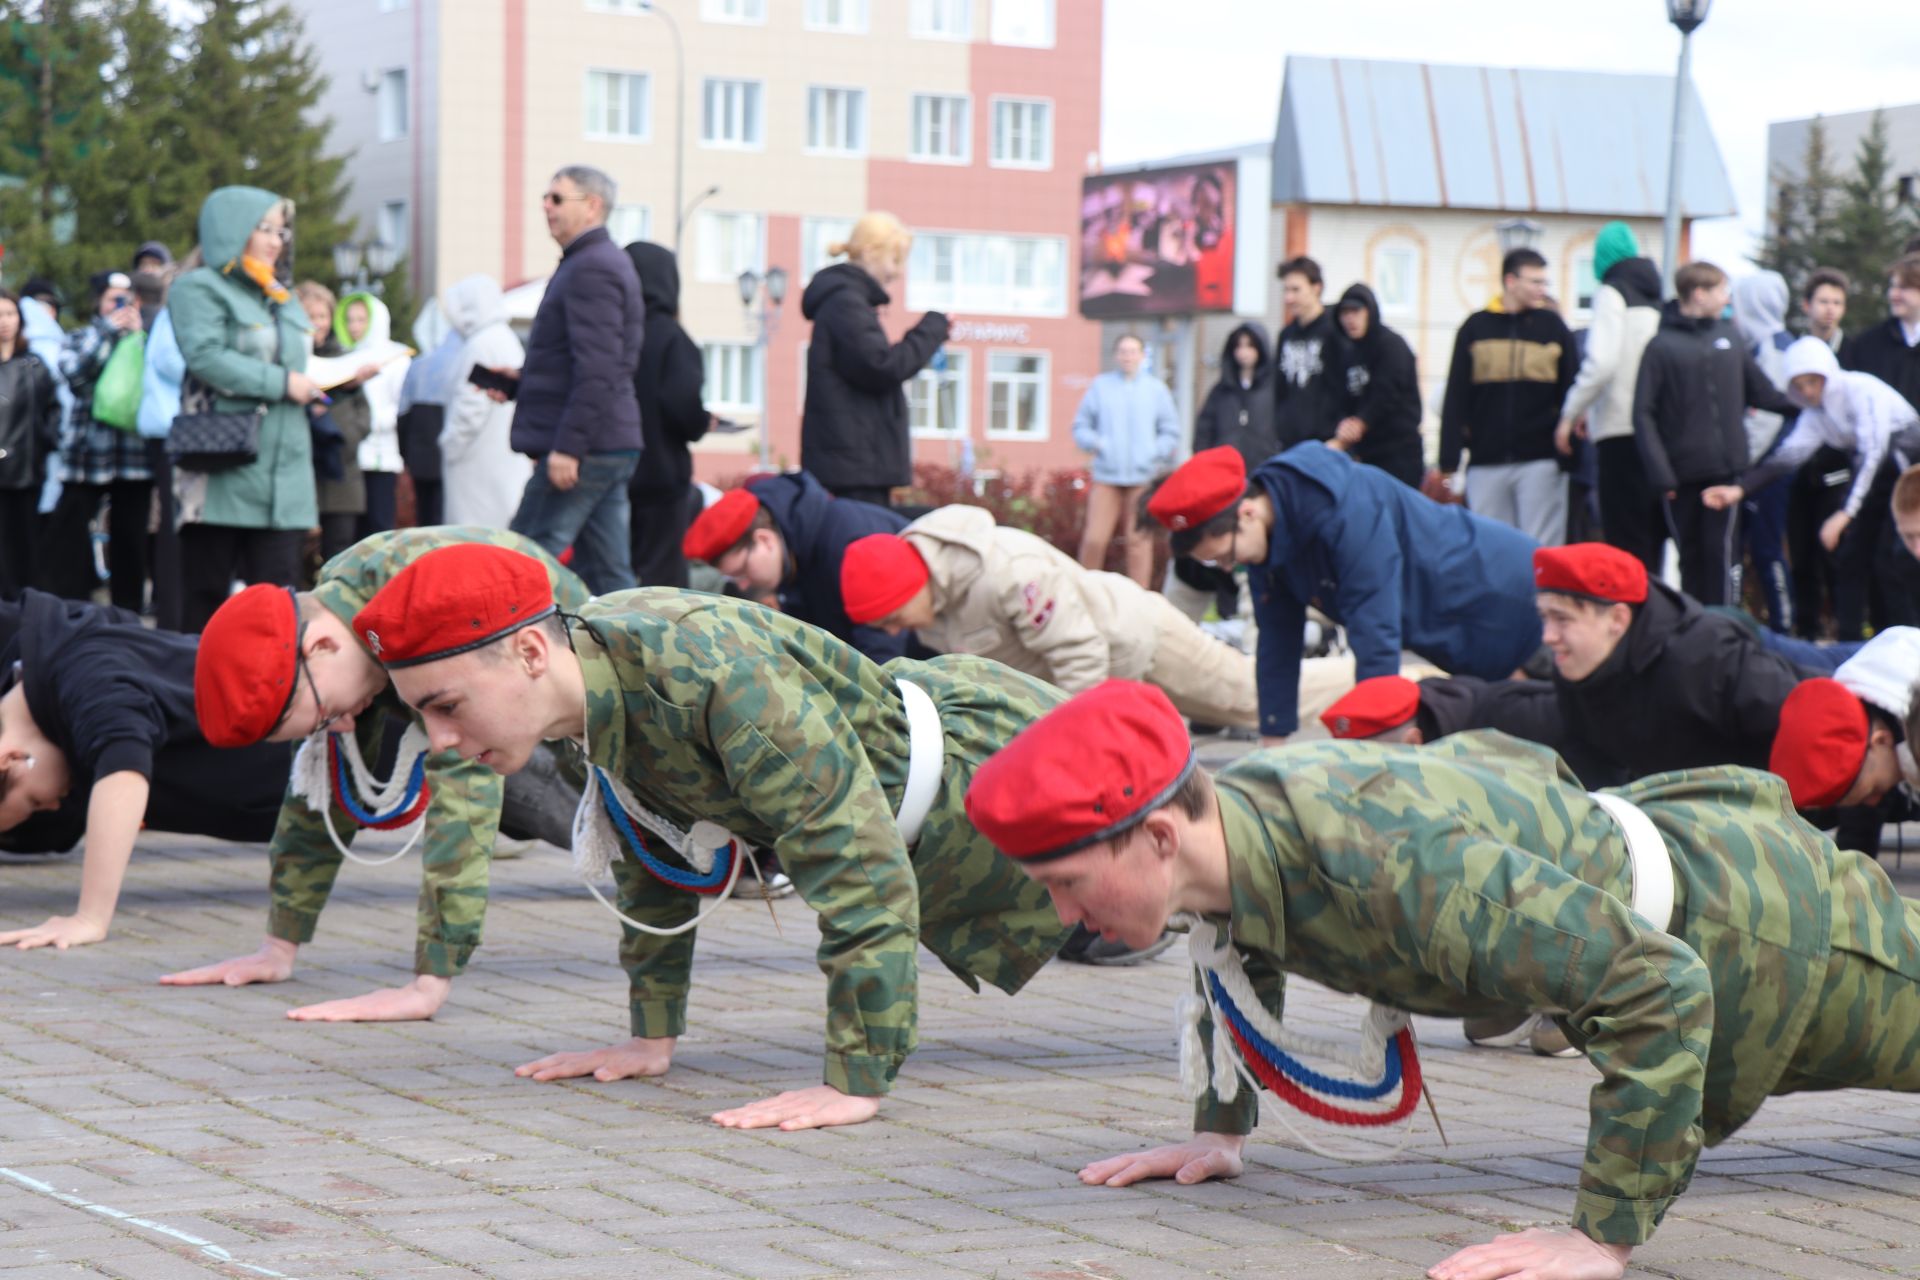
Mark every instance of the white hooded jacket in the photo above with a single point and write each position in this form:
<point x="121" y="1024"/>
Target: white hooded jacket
<point x="1857" y="413"/>
<point x="1760" y="313"/>
<point x="484" y="478"/>
<point x="380" y="451"/>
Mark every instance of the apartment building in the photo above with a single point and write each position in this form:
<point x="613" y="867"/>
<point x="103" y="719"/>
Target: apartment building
<point x="754" y="132"/>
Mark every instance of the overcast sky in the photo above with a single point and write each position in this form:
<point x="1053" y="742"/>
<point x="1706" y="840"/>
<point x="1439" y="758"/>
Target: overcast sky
<point x="1213" y="78"/>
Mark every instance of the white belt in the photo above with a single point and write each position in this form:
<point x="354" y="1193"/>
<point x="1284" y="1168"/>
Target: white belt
<point x="926" y="757"/>
<point x="1647" y="856"/>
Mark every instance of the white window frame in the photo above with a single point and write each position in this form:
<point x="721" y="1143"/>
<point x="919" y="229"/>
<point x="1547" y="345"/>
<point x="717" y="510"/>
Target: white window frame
<point x="972" y="291"/>
<point x="392" y="216"/>
<point x="750" y="358"/>
<point x="959" y="374"/>
<point x="747" y="91"/>
<point x="1041" y="380"/>
<point x="387" y="104"/>
<point x="920" y="24"/>
<point x="1398" y="309"/>
<point x="705" y="225"/>
<point x="1006" y="29"/>
<point x="998" y="161"/>
<point x="914" y="153"/>
<point x="858" y="143"/>
<point x="1580" y="271"/>
<point x="716" y="11"/>
<point x="815" y="233"/>
<point x="854" y="20"/>
<point x="622" y="213"/>
<point x="596" y="128"/>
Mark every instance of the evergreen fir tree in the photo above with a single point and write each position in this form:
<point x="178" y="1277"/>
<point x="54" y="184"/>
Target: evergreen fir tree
<point x="1804" y="205"/>
<point x="1869" y="228"/>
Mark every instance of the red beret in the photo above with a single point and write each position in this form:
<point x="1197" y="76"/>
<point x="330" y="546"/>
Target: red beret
<point x="1372" y="707"/>
<point x="1086" y="771"/>
<point x="453" y="600"/>
<point x="715" y="530"/>
<point x="1200" y="488"/>
<point x="243" y="674"/>
<point x="879" y="573"/>
<point x="1593" y="570"/>
<point x="1821" y="744"/>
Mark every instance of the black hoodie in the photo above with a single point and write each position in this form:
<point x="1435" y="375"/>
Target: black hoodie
<point x="1697" y="381"/>
<point x="818" y="528"/>
<point x="853" y="428"/>
<point x="1510" y="374"/>
<point x="1310" y="386"/>
<point x="1383" y="391"/>
<point x="667" y="381"/>
<point x="1241" y="413"/>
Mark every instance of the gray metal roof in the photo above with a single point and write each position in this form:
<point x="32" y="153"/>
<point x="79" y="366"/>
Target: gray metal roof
<point x="1361" y="131"/>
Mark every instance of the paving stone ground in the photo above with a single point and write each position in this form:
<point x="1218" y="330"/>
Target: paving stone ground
<point x="152" y="1133"/>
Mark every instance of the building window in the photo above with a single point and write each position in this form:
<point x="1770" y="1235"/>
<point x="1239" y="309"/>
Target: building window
<point x="1023" y="22"/>
<point x="751" y="12"/>
<point x="937" y="400"/>
<point x="732" y="115"/>
<point x="393" y="104"/>
<point x="1017" y="395"/>
<point x="725" y="244"/>
<point x="618" y="105"/>
<point x="1396" y="279"/>
<point x="837" y="121"/>
<point x="630" y="222"/>
<point x="391" y="226"/>
<point x="733" y="376"/>
<point x="1583" y="284"/>
<point x="940" y="129"/>
<point x="940" y="19"/>
<point x="837" y="15"/>
<point x="1022" y="133"/>
<point x="815" y="235"/>
<point x="993" y="275"/>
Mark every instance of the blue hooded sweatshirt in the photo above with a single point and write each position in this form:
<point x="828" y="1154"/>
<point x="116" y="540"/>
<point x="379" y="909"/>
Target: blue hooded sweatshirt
<point x="818" y="528"/>
<point x="1397" y="569"/>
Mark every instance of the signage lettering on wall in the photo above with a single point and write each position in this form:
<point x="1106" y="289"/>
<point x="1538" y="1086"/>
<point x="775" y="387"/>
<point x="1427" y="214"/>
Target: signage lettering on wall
<point x="981" y="331"/>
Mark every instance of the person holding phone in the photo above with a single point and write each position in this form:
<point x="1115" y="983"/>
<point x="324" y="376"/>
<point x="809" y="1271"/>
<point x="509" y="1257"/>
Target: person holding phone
<point x="481" y="475"/>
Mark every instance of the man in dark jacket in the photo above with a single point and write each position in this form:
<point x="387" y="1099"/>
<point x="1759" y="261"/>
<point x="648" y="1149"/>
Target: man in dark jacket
<point x="576" y="416"/>
<point x="1310" y="387"/>
<point x="1397" y="710"/>
<point x="1697" y="381"/>
<point x="1648" y="680"/>
<point x="1513" y="365"/>
<point x="785" y="536"/>
<point x="853" y="427"/>
<point x="1399" y="570"/>
<point x="672" y="416"/>
<point x="1382" y="423"/>
<point x="1890" y="350"/>
<point x="1239" y="410"/>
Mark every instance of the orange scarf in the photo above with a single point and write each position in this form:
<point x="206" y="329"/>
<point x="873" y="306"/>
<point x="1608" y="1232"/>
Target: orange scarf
<point x="261" y="273"/>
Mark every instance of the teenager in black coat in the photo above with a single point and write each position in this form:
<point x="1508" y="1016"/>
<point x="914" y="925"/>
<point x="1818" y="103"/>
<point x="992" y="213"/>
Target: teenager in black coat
<point x="1381" y="426"/>
<point x="667" y="382"/>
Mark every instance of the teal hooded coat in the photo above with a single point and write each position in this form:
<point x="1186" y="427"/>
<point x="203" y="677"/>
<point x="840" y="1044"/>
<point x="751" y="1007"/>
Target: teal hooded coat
<point x="243" y="345"/>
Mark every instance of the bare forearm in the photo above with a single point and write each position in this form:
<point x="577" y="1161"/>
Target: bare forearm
<point x="115" y="810"/>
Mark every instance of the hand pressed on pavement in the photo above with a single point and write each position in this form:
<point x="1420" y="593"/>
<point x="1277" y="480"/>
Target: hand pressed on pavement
<point x="273" y="962"/>
<point x="636" y="1057"/>
<point x="1203" y="1156"/>
<point x="415" y="1002"/>
<point x="59" y="932"/>
<point x="1539" y="1253"/>
<point x="819" y="1107"/>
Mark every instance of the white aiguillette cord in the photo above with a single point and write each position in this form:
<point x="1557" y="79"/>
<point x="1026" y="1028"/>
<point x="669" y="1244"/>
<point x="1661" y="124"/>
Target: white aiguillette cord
<point x="313" y="783"/>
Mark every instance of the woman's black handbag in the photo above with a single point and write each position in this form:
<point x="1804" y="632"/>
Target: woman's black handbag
<point x="204" y="439"/>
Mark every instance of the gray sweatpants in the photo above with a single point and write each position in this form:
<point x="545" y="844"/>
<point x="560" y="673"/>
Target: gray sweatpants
<point x="1530" y="496"/>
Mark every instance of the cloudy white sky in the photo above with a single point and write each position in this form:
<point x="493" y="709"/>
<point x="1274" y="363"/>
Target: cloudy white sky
<point x="1211" y="78"/>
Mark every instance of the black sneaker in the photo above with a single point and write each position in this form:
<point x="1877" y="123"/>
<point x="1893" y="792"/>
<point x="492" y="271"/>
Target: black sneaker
<point x="1083" y="946"/>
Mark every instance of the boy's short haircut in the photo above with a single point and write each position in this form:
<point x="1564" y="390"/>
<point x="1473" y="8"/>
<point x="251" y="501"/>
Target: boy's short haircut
<point x="1696" y="276"/>
<point x="1302" y="266"/>
<point x="1193" y="798"/>
<point x="762" y="519"/>
<point x="1906" y="493"/>
<point x="1518" y="260"/>
<point x="1821" y="277"/>
<point x="1134" y="338"/>
<point x="1906" y="270"/>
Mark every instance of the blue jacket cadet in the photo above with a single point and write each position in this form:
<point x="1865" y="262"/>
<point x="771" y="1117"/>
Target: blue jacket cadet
<point x="1397" y="569"/>
<point x="818" y="528"/>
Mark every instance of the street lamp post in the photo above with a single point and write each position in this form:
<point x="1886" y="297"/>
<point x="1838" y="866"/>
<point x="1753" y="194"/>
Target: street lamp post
<point x="768" y="292"/>
<point x="1686" y="15"/>
<point x="680" y="117"/>
<point x="363" y="268"/>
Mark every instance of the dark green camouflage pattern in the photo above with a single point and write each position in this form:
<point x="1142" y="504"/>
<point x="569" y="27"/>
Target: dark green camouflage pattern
<point x="1476" y="875"/>
<point x="463" y="814"/>
<point x="716" y="709"/>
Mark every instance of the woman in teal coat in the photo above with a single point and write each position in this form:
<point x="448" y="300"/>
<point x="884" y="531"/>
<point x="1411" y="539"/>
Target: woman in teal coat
<point x="242" y="335"/>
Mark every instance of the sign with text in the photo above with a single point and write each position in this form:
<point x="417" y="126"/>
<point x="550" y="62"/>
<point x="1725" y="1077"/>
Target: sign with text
<point x="1157" y="242"/>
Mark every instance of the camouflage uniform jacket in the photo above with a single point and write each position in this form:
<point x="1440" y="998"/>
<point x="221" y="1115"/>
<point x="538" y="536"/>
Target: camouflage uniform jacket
<point x="716" y="709"/>
<point x="463" y="813"/>
<point x="1476" y="875"/>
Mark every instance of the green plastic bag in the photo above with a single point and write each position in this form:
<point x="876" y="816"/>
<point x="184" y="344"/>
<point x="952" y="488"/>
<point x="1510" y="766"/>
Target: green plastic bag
<point x="116" y="396"/>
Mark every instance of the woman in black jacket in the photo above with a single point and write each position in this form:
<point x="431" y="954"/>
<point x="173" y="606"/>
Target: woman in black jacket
<point x="853" y="428"/>
<point x="668" y="382"/>
<point x="29" y="433"/>
<point x="1382" y="423"/>
<point x="1240" y="409"/>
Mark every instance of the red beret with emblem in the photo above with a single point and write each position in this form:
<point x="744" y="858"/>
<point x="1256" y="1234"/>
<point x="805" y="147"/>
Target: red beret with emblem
<point x="1592" y="570"/>
<point x="1091" y="768"/>
<point x="1821" y="744"/>
<point x="1373" y="707"/>
<point x="1200" y="488"/>
<point x="878" y="574"/>
<point x="453" y="600"/>
<point x="244" y="672"/>
<point x="715" y="530"/>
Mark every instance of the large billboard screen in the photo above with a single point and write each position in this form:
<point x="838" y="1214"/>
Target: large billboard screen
<point x="1157" y="242"/>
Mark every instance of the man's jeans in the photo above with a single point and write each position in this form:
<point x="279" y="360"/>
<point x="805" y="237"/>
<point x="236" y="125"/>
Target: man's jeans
<point x="592" y="518"/>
